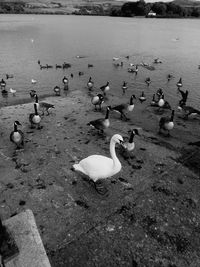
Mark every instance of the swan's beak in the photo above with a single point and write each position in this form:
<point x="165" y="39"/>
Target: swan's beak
<point x="121" y="142"/>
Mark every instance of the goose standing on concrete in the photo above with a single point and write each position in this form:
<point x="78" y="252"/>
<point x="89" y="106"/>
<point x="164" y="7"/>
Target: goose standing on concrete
<point x="102" y="123"/>
<point x="123" y="108"/>
<point x="99" y="167"/>
<point x="57" y="90"/>
<point x="44" y="106"/>
<point x="90" y="84"/>
<point x="167" y="123"/>
<point x="105" y="88"/>
<point x="130" y="145"/>
<point x="17" y="136"/>
<point x="97" y="100"/>
<point x="35" y="118"/>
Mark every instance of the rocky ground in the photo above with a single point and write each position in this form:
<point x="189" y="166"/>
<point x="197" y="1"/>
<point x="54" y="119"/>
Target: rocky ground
<point x="150" y="215"/>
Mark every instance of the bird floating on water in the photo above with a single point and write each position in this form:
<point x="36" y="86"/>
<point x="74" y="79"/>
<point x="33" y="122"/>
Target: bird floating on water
<point x="90" y="84"/>
<point x="179" y="83"/>
<point x="33" y="81"/>
<point x="142" y="97"/>
<point x="98" y="167"/>
<point x="44" y="106"/>
<point x="17" y="136"/>
<point x="65" y="80"/>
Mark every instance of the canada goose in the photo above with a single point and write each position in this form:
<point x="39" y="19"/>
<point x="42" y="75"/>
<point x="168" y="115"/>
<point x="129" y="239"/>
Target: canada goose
<point x="130" y="145"/>
<point x="66" y="65"/>
<point x="167" y="123"/>
<point x="98" y="167"/>
<point x="184" y="96"/>
<point x="9" y="76"/>
<point x="43" y="67"/>
<point x="80" y="73"/>
<point x="32" y="93"/>
<point x="148" y="81"/>
<point x="105" y="88"/>
<point x="124" y="87"/>
<point x="154" y="103"/>
<point x="90" y="66"/>
<point x="133" y="70"/>
<point x="179" y="83"/>
<point x="115" y="58"/>
<point x="97" y="100"/>
<point x="43" y="105"/>
<point x="2" y="83"/>
<point x="131" y="64"/>
<point x="57" y="90"/>
<point x="35" y="118"/>
<point x="58" y="66"/>
<point x="169" y="77"/>
<point x="65" y="80"/>
<point x="49" y="66"/>
<point x="188" y="110"/>
<point x="17" y="136"/>
<point x="142" y="97"/>
<point x="13" y="91"/>
<point x="122" y="108"/>
<point x="102" y="123"/>
<point x="90" y="84"/>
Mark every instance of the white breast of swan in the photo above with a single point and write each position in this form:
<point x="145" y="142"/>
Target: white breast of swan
<point x="97" y="166"/>
<point x="36" y="119"/>
<point x="169" y="125"/>
<point x="16" y="137"/>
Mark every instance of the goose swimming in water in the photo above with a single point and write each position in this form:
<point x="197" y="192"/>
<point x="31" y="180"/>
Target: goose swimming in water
<point x="122" y="108"/>
<point x="35" y="118"/>
<point x="142" y="98"/>
<point x="184" y="96"/>
<point x="33" y="81"/>
<point x="98" y="167"/>
<point x="167" y="123"/>
<point x="17" y="136"/>
<point x="115" y="58"/>
<point x="188" y="110"/>
<point x="105" y="88"/>
<point x="148" y="81"/>
<point x="102" y="123"/>
<point x="97" y="100"/>
<point x="179" y="83"/>
<point x="90" y="84"/>
<point x="124" y="87"/>
<point x="13" y="91"/>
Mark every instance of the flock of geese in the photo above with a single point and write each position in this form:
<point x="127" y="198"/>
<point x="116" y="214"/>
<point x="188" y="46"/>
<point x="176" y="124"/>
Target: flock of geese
<point x="98" y="167"/>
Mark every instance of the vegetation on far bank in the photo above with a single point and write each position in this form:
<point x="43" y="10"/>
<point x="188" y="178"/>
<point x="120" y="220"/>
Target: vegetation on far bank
<point x="175" y="9"/>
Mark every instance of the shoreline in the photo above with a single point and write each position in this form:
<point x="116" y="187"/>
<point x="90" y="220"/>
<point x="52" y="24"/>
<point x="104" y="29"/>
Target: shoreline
<point x="154" y="190"/>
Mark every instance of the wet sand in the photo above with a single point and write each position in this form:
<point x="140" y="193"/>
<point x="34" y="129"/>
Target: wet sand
<point x="150" y="216"/>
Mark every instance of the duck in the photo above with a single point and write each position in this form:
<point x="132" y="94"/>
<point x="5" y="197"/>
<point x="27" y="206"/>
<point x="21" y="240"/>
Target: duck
<point x="97" y="100"/>
<point x="124" y="87"/>
<point x="122" y="108"/>
<point x="9" y="76"/>
<point x="43" y="67"/>
<point x="169" y="77"/>
<point x="65" y="80"/>
<point x="161" y="101"/>
<point x="167" y="123"/>
<point x="13" y="91"/>
<point x="148" y="81"/>
<point x="115" y="58"/>
<point x="135" y="70"/>
<point x="90" y="84"/>
<point x="98" y="167"/>
<point x="102" y="123"/>
<point x="57" y="90"/>
<point x="33" y="81"/>
<point x="32" y="93"/>
<point x="121" y="64"/>
<point x="2" y="83"/>
<point x="4" y="93"/>
<point x="154" y="103"/>
<point x="17" y="136"/>
<point x="66" y="65"/>
<point x="142" y="97"/>
<point x="35" y="118"/>
<point x="179" y="83"/>
<point x="105" y="88"/>
<point x="188" y="110"/>
<point x="130" y="145"/>
<point x="90" y="66"/>
<point x="58" y="66"/>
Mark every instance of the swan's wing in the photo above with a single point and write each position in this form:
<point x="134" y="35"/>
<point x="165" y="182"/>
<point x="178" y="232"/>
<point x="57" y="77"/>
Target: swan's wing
<point x="97" y="167"/>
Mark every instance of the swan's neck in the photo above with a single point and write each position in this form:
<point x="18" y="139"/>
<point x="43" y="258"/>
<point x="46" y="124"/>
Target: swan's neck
<point x="113" y="154"/>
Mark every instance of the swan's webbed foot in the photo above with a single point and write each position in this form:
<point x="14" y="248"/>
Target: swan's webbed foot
<point x="100" y="188"/>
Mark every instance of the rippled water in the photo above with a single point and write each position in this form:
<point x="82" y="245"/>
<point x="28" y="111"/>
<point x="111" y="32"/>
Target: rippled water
<point x="25" y="39"/>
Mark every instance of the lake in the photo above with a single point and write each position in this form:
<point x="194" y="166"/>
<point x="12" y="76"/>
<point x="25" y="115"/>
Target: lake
<point x="53" y="39"/>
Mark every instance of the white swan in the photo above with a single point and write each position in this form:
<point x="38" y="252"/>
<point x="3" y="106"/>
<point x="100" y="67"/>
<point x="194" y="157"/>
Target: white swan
<point x="100" y="167"/>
